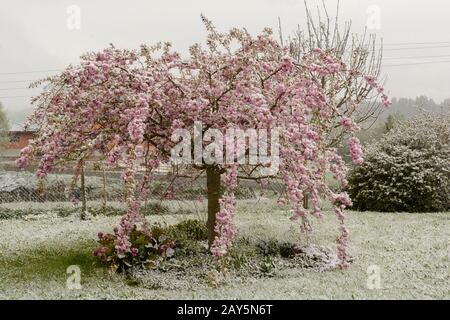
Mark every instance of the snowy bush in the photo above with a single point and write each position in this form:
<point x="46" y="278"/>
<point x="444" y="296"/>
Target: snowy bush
<point x="408" y="169"/>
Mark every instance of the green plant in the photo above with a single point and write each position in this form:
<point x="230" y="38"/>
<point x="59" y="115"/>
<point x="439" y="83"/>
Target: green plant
<point x="153" y="208"/>
<point x="193" y="229"/>
<point x="187" y="235"/>
<point x="267" y="266"/>
<point x="237" y="259"/>
<point x="145" y="248"/>
<point x="274" y="248"/>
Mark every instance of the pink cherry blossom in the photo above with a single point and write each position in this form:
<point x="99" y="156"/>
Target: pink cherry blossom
<point x="355" y="149"/>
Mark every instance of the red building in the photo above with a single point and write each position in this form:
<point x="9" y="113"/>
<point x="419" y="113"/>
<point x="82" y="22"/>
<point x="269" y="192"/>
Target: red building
<point x="18" y="138"/>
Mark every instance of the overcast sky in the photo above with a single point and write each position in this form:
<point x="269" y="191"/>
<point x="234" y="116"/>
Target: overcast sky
<point x="41" y="35"/>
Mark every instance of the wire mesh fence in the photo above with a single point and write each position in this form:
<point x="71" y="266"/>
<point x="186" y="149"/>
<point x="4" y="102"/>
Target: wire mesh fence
<point x="171" y="191"/>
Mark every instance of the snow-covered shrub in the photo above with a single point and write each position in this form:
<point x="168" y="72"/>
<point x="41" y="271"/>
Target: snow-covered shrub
<point x="408" y="169"/>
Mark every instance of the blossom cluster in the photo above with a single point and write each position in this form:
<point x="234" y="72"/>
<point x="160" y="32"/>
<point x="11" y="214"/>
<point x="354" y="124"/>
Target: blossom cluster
<point x="225" y="227"/>
<point x="372" y="81"/>
<point x="355" y="150"/>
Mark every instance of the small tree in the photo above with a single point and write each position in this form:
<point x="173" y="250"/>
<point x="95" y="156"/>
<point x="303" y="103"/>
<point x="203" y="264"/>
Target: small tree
<point x="391" y="122"/>
<point x="127" y="104"/>
<point x="360" y="53"/>
<point x="407" y="169"/>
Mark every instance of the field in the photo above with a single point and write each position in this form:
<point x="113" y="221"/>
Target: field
<point x="410" y="250"/>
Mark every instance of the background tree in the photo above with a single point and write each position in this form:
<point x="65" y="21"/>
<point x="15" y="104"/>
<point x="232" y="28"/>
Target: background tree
<point x="126" y="104"/>
<point x="361" y="54"/>
<point x="4" y="127"/>
<point x="391" y="121"/>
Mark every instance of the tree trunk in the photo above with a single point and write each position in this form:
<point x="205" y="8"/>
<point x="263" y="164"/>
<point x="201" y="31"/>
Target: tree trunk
<point x="213" y="188"/>
<point x="306" y="201"/>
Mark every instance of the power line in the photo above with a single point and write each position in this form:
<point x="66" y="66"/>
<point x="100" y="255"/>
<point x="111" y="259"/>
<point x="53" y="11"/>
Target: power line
<point x="415" y="63"/>
<point x="384" y="44"/>
<point x="24" y="88"/>
<point x="388" y="49"/>
<point x="387" y="58"/>
<point x="24" y="72"/>
<point x="415" y="43"/>
<point x="17" y="81"/>
<point x="416" y="48"/>
<point x="12" y="97"/>
<point x="417" y="57"/>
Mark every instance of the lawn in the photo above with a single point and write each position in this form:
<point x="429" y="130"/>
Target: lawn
<point x="410" y="250"/>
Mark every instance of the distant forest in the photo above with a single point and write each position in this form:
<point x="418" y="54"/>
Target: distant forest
<point x="408" y="107"/>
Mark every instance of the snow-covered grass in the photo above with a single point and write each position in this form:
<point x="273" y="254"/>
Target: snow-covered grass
<point x="410" y="250"/>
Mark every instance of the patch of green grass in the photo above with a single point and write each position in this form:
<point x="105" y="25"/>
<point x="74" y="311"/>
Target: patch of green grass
<point x="46" y="263"/>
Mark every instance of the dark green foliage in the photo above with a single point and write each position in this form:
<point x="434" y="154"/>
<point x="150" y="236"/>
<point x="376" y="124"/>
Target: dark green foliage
<point x="149" y="209"/>
<point x="194" y="229"/>
<point x="275" y="248"/>
<point x="187" y="235"/>
<point x="154" y="208"/>
<point x="7" y="213"/>
<point x="408" y="170"/>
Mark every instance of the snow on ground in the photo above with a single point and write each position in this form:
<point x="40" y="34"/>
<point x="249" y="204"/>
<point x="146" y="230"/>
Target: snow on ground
<point x="410" y="250"/>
